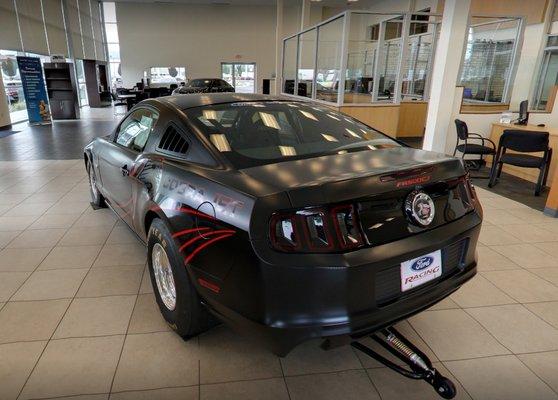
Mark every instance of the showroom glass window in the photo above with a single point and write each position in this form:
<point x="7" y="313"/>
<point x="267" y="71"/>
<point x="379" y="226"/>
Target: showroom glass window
<point x="113" y="43"/>
<point x="487" y="66"/>
<point x="167" y="75"/>
<point x="241" y="76"/>
<point x="80" y="73"/>
<point x="548" y="76"/>
<point x="135" y="129"/>
<point x="12" y="85"/>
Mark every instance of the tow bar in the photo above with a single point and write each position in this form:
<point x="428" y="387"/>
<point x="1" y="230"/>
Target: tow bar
<point x="420" y="366"/>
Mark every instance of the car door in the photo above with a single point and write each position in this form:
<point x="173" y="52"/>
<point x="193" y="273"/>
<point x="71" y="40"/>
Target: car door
<point x="119" y="159"/>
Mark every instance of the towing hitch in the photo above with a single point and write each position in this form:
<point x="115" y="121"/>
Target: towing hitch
<point x="420" y="366"/>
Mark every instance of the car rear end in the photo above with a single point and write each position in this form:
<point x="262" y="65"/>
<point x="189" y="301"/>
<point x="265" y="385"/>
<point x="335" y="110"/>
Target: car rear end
<point x="358" y="264"/>
<point x="350" y="230"/>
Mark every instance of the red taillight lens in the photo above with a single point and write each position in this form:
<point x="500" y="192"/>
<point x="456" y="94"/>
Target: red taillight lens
<point x="314" y="230"/>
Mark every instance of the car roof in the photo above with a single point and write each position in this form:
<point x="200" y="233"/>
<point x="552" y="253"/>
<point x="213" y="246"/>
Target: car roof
<point x="183" y="102"/>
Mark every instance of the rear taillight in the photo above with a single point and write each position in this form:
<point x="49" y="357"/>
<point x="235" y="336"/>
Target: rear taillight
<point x="316" y="230"/>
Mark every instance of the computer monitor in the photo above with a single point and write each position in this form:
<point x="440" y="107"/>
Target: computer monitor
<point x="523" y="113"/>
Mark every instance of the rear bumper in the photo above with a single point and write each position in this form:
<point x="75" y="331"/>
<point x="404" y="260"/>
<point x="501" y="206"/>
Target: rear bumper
<point x="360" y="296"/>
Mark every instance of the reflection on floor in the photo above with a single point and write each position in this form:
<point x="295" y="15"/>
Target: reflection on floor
<point x="59" y="141"/>
<point x="78" y="315"/>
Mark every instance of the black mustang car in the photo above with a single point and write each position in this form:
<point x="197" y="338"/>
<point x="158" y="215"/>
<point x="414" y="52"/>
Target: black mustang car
<point x="284" y="218"/>
<point x="206" y="85"/>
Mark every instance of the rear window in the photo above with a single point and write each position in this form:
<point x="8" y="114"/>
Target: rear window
<point x="256" y="133"/>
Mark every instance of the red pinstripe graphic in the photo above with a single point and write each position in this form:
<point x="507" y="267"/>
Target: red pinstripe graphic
<point x="195" y="212"/>
<point x="204" y="245"/>
<point x="184" y="232"/>
<point x="212" y="233"/>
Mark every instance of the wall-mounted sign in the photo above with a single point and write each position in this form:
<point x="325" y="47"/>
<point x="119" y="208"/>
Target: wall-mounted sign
<point x="57" y="58"/>
<point x="33" y="83"/>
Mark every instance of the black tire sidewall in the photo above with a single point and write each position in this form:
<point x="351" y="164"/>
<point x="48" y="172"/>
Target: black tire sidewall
<point x="185" y="316"/>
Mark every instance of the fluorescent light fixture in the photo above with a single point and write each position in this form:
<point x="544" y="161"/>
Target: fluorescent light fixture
<point x="329" y="138"/>
<point x="220" y="141"/>
<point x="269" y="120"/>
<point x="308" y="115"/>
<point x="287" y="150"/>
<point x="210" y="114"/>
<point x="350" y="132"/>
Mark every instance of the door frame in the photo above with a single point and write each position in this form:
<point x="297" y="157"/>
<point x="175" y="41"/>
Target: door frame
<point x="234" y="63"/>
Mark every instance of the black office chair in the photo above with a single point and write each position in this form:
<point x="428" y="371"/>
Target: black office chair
<point x="476" y="149"/>
<point x="523" y="142"/>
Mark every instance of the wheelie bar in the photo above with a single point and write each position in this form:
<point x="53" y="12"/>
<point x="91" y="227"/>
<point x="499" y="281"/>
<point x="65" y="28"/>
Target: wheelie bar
<point x="420" y="366"/>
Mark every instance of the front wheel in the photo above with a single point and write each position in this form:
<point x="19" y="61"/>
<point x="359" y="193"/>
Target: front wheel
<point x="175" y="294"/>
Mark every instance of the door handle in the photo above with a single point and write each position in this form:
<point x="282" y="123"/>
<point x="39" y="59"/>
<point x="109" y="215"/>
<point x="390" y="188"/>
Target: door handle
<point x="124" y="170"/>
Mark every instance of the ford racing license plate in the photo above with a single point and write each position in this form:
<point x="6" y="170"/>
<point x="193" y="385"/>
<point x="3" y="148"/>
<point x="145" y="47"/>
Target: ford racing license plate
<point x="420" y="270"/>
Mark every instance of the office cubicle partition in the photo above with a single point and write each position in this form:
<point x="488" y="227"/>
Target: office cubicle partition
<point x="383" y="57"/>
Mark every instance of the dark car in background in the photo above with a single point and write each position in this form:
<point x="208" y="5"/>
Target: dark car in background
<point x="283" y="218"/>
<point x="205" y="85"/>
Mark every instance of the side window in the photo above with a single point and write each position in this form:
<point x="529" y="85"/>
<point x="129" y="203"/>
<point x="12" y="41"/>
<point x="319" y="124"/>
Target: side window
<point x="178" y="143"/>
<point x="173" y="142"/>
<point x="135" y="129"/>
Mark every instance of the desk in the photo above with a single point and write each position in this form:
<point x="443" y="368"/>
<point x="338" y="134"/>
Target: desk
<point x="531" y="174"/>
<point x="128" y="97"/>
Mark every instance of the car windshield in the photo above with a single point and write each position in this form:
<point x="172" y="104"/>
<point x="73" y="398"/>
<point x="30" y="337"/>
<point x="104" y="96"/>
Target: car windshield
<point x="257" y="133"/>
<point x="197" y="83"/>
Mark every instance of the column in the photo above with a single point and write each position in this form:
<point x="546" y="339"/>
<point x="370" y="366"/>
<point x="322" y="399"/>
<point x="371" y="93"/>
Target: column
<point x="447" y="61"/>
<point x="278" y="46"/>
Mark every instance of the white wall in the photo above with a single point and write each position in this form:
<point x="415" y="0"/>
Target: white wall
<point x="198" y="37"/>
<point x="528" y="67"/>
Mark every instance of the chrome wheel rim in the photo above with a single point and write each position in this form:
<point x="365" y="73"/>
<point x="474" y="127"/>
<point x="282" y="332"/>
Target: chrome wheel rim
<point x="163" y="276"/>
<point x="93" y="185"/>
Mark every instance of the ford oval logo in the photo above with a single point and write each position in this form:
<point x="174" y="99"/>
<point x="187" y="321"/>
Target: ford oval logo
<point x="422" y="263"/>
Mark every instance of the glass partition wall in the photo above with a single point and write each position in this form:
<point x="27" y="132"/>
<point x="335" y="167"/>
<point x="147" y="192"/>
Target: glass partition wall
<point x="347" y="52"/>
<point x="362" y="57"/>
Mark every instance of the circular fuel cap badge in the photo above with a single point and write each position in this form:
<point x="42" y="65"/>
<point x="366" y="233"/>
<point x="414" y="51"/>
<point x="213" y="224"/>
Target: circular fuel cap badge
<point x="420" y="208"/>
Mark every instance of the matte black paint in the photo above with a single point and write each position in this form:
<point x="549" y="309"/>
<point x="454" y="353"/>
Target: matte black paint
<point x="284" y="298"/>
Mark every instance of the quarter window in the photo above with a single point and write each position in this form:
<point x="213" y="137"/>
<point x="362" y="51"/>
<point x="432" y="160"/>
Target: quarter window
<point x="135" y="129"/>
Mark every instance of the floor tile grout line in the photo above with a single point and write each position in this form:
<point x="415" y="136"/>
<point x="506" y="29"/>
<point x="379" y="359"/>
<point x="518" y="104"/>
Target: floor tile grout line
<point x="439" y="360"/>
<point x="366" y="372"/>
<point x="282" y="374"/>
<point x="487" y="331"/>
<point x="535" y="276"/>
<point x="537" y="375"/>
<point x="127" y="327"/>
<point x="42" y="260"/>
<point x="59" y="321"/>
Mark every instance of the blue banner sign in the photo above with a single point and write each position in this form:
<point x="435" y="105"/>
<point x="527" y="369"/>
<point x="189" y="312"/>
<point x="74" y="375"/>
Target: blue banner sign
<point x="33" y="83"/>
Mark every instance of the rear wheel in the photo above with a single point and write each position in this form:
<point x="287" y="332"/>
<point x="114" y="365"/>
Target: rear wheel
<point x="97" y="199"/>
<point x="175" y="294"/>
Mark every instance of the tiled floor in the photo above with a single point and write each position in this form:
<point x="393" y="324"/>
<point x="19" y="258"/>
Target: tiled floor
<point x="78" y="317"/>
